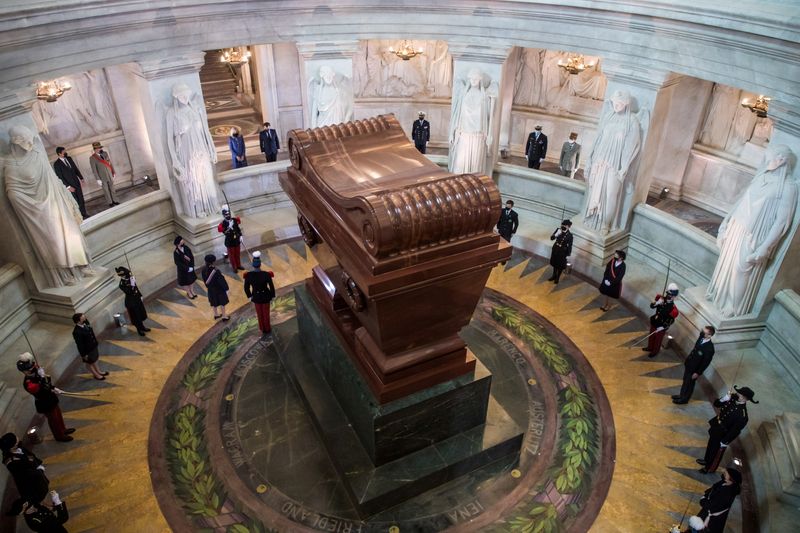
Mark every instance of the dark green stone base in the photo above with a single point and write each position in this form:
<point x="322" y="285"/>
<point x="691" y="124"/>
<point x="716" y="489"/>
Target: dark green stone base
<point x="331" y="389"/>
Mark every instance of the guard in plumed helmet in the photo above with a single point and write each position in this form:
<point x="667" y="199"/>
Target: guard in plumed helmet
<point x="259" y="289"/>
<point x="40" y="386"/>
<point x="665" y="315"/>
<point x="726" y="426"/>
<point x="231" y="228"/>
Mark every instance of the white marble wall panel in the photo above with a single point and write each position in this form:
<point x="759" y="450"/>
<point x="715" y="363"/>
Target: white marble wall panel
<point x="378" y="72"/>
<point x="778" y="340"/>
<point x="556" y="127"/>
<point x="287" y="67"/>
<point x="436" y="112"/>
<point x="714" y="183"/>
<point x="124" y="89"/>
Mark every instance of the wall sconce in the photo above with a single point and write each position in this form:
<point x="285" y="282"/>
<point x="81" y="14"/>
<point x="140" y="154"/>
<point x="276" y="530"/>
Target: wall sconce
<point x="50" y="91"/>
<point x="759" y="106"/>
<point x="406" y="51"/>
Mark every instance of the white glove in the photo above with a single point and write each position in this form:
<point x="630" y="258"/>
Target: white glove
<point x="55" y="497"/>
<point x="542" y="159"/>
<point x="607" y="283"/>
<point x="660" y="328"/>
<point x="558" y="232"/>
<point x="57" y="390"/>
<point x="40" y="371"/>
<point x="40" y="467"/>
<point x="100" y="183"/>
<point x="191" y="269"/>
<point x="723" y="445"/>
<point x="133" y="281"/>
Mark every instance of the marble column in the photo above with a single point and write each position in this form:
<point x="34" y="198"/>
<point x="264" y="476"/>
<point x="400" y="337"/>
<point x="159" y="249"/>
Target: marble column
<point x="646" y="88"/>
<point x="507" y="98"/>
<point x="489" y="61"/>
<point x="267" y="96"/>
<point x="156" y="81"/>
<point x="338" y="56"/>
<point x="58" y="304"/>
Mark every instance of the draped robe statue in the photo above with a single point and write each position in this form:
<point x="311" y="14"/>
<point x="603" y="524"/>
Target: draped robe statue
<point x="751" y="231"/>
<point x="331" y="96"/>
<point x="619" y="136"/>
<point x="471" y="123"/>
<point x="47" y="212"/>
<point x="192" y="152"/>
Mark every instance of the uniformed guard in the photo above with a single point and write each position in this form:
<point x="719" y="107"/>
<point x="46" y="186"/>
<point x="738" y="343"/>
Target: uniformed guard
<point x="27" y="471"/>
<point x="421" y="132"/>
<point x="509" y="221"/>
<point x="562" y="249"/>
<point x="39" y="384"/>
<point x="662" y="319"/>
<point x="695" y="364"/>
<point x="259" y="289"/>
<point x="726" y="426"/>
<point x="536" y="147"/>
<point x="42" y="519"/>
<point x="134" y="302"/>
<point x="230" y="227"/>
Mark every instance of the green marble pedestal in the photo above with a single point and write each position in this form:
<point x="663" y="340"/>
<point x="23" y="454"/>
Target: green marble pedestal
<point x="388" y="453"/>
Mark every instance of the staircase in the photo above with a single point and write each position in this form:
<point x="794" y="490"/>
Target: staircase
<point x="216" y="77"/>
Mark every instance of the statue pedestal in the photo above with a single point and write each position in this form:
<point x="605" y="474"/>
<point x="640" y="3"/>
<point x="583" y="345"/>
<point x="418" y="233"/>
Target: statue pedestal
<point x="387" y="453"/>
<point x="595" y="249"/>
<point x="90" y="296"/>
<point x="732" y="333"/>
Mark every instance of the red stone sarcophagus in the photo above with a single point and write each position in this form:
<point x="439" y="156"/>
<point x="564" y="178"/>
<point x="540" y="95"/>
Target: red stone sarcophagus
<point x="404" y="249"/>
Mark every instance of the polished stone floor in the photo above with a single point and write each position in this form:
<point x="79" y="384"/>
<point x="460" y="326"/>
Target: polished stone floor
<point x="105" y="473"/>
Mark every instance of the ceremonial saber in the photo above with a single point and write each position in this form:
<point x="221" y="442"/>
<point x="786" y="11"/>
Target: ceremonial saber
<point x="691" y="499"/>
<point x="30" y="346"/>
<point x="126" y="260"/>
<point x="645" y="338"/>
<point x="80" y="393"/>
<point x="666" y="280"/>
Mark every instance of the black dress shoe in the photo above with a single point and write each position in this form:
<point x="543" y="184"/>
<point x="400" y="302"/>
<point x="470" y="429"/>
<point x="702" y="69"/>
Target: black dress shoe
<point x="141" y="333"/>
<point x="66" y="439"/>
<point x="146" y="330"/>
<point x="241" y="268"/>
<point x="101" y="378"/>
<point x="700" y="461"/>
<point x="69" y="431"/>
<point x="680" y="402"/>
<point x="651" y="355"/>
<point x="551" y="278"/>
<point x="645" y="349"/>
<point x="114" y="203"/>
<point x="103" y="373"/>
<point x="676" y="396"/>
<point x="703" y="470"/>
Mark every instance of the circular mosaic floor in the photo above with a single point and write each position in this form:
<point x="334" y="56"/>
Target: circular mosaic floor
<point x="232" y="448"/>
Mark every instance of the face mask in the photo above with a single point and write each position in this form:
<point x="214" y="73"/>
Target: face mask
<point x="571" y="141"/>
<point x="563" y="228"/>
<point x="235" y="133"/>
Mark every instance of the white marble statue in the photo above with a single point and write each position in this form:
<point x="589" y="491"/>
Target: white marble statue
<point x="378" y="72"/>
<point x="618" y="141"/>
<point x="553" y="77"/>
<point x="191" y="151"/>
<point x="528" y="78"/>
<point x="471" y="122"/>
<point x="84" y="111"/>
<point x="331" y="96"/>
<point x="368" y="69"/>
<point x="751" y="231"/>
<point x="46" y="211"/>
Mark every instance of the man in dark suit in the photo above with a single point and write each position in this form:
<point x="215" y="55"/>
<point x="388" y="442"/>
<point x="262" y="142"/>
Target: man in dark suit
<point x="536" y="147"/>
<point x="270" y="144"/>
<point x="696" y="363"/>
<point x="70" y="175"/>
<point x="421" y="133"/>
<point x="508" y="222"/>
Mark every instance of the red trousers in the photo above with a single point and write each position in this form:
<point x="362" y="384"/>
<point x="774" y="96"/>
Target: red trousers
<point x="655" y="340"/>
<point x="262" y="312"/>
<point x="56" y="422"/>
<point x="234" y="256"/>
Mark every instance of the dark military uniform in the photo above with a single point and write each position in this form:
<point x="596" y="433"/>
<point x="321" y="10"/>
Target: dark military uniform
<point x="723" y="429"/>
<point x="696" y="363"/>
<point x="508" y="223"/>
<point x="716" y="503"/>
<point x="421" y="133"/>
<point x="44" y="520"/>
<point x="613" y="274"/>
<point x="30" y="480"/>
<point x="134" y="304"/>
<point x="562" y="248"/>
<point x="259" y="289"/>
<point x="216" y="285"/>
<point x="46" y="402"/>
<point x="536" y="149"/>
